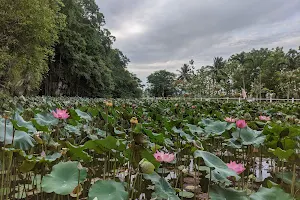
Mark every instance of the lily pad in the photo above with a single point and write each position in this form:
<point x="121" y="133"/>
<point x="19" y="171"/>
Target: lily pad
<point x="216" y="128"/>
<point x="45" y="119"/>
<point x="20" y="139"/>
<point x="273" y="193"/>
<point x="108" y="190"/>
<point x="83" y="115"/>
<point x="220" y="193"/>
<point x="162" y="189"/>
<point x="22" y="125"/>
<point x="249" y="136"/>
<point x="220" y="171"/>
<point x="63" y="178"/>
<point x="186" y="194"/>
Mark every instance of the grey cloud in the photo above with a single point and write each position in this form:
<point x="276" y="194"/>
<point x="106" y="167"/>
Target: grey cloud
<point x="200" y="29"/>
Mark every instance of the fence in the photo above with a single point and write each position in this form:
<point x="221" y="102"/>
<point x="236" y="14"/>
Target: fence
<point x="292" y="100"/>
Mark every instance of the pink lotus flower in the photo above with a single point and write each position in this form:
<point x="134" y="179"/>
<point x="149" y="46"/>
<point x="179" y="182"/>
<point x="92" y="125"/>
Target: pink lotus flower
<point x="60" y="114"/>
<point x="238" y="168"/>
<point x="193" y="107"/>
<point x="241" y="123"/>
<point x="264" y="118"/>
<point x="164" y="157"/>
<point x="229" y="119"/>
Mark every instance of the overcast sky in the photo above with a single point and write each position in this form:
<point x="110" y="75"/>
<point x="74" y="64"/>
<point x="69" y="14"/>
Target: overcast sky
<point x="164" y="34"/>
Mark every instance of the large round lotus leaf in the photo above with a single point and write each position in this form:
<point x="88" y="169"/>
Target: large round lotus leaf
<point x="45" y="119"/>
<point x="20" y="139"/>
<point x="216" y="128"/>
<point x="63" y="178"/>
<point x="220" y="171"/>
<point x="274" y="193"/>
<point x="83" y="115"/>
<point x="108" y="190"/>
<point x="219" y="193"/>
<point x="162" y="189"/>
<point x="249" y="136"/>
<point x="22" y="125"/>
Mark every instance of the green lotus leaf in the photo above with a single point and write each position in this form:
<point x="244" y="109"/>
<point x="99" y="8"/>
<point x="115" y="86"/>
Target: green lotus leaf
<point x="219" y="193"/>
<point x="220" y="171"/>
<point x="83" y="115"/>
<point x="186" y="194"/>
<point x="182" y="134"/>
<point x="249" y="136"/>
<point x="73" y="129"/>
<point x="287" y="178"/>
<point x="108" y="190"/>
<point x="45" y="119"/>
<point x="195" y="129"/>
<point x="20" y="139"/>
<point x="282" y="154"/>
<point x="273" y="193"/>
<point x="104" y="145"/>
<point x="49" y="158"/>
<point x="22" y="125"/>
<point x="77" y="152"/>
<point x="63" y="178"/>
<point x="157" y="138"/>
<point x="216" y="128"/>
<point x="162" y="189"/>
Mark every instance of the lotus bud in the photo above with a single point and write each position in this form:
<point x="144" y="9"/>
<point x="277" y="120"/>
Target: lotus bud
<point x="146" y="166"/>
<point x="109" y="103"/>
<point x="134" y="120"/>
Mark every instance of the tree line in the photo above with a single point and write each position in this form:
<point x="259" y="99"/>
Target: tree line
<point x="60" y="47"/>
<point x="261" y="72"/>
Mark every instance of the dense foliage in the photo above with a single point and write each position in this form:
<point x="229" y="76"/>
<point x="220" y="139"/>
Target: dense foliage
<point x="261" y="72"/>
<point x="63" y="45"/>
<point x="181" y="149"/>
<point x="28" y="30"/>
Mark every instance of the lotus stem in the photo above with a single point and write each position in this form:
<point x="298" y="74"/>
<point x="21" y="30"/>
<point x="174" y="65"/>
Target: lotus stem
<point x="293" y="179"/>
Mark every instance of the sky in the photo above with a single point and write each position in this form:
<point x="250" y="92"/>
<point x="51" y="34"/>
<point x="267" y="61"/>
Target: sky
<point x="165" y="34"/>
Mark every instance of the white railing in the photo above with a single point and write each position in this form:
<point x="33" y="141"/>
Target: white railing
<point x="292" y="100"/>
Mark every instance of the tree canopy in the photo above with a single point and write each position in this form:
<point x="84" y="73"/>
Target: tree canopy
<point x="60" y="47"/>
<point x="261" y="72"/>
<point x="162" y="83"/>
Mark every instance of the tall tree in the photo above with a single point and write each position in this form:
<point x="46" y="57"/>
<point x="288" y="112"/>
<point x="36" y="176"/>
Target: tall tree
<point x="162" y="83"/>
<point x="85" y="63"/>
<point x="186" y="71"/>
<point x="28" y="30"/>
<point x="217" y="69"/>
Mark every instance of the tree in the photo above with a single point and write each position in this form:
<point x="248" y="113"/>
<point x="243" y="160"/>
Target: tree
<point x="217" y="69"/>
<point x="161" y="83"/>
<point x="28" y="31"/>
<point x="85" y="64"/>
<point x="186" y="71"/>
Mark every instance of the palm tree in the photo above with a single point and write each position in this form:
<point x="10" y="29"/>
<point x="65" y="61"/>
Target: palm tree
<point x="186" y="71"/>
<point x="217" y="69"/>
<point x="242" y="60"/>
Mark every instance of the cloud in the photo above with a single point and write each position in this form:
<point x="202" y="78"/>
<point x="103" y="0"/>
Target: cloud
<point x="164" y="34"/>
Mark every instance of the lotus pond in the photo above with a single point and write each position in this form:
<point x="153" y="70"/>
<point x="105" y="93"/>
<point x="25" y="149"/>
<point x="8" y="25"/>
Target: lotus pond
<point x="75" y="148"/>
